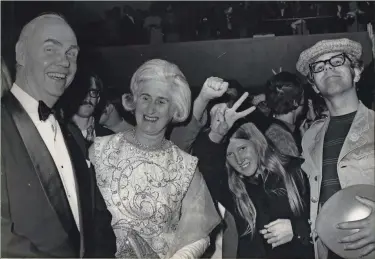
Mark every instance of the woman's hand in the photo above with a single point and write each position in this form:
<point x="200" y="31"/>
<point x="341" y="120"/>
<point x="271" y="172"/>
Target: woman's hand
<point x="223" y="118"/>
<point x="213" y="87"/>
<point x="278" y="232"/>
<point x="231" y="115"/>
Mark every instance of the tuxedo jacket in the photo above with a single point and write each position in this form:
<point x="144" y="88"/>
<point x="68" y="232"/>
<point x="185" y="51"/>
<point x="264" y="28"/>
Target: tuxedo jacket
<point x="36" y="219"/>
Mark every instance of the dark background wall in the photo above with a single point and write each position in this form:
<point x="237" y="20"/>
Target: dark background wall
<point x="250" y="61"/>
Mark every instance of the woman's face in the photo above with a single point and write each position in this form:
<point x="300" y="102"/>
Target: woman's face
<point x="153" y="109"/>
<point x="242" y="156"/>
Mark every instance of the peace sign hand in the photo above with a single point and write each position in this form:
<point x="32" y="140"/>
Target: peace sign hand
<point x="280" y="70"/>
<point x="223" y="118"/>
<point x="218" y="124"/>
<point x="231" y="115"/>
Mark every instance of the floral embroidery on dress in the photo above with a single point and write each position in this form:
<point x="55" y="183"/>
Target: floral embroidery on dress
<point x="143" y="190"/>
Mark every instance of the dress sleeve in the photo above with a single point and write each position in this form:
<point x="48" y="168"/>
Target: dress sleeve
<point x="212" y="157"/>
<point x="198" y="215"/>
<point x="184" y="136"/>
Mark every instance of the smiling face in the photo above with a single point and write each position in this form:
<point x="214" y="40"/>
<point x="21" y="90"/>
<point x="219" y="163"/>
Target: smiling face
<point x="333" y="81"/>
<point x="48" y="59"/>
<point x="242" y="156"/>
<point x="153" y="109"/>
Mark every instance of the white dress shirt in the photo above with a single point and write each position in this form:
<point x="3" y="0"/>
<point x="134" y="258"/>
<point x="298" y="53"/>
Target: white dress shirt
<point x="52" y="136"/>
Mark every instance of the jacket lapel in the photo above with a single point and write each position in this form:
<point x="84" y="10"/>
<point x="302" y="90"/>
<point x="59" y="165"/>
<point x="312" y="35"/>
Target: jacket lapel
<point x="316" y="149"/>
<point x="355" y="138"/>
<point x="84" y="181"/>
<point x="44" y="166"/>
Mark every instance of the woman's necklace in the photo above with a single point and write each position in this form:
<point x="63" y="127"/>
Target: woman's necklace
<point x="147" y="147"/>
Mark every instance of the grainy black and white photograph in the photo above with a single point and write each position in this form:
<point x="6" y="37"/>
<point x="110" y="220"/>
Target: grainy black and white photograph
<point x="188" y="129"/>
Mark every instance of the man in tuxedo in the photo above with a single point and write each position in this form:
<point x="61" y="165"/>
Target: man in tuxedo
<point x="50" y="203"/>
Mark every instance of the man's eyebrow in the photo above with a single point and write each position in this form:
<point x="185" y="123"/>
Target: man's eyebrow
<point x="53" y="41"/>
<point x="56" y="42"/>
<point x="74" y="47"/>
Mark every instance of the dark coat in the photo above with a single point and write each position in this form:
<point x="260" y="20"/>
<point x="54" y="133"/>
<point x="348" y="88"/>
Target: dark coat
<point x="36" y="219"/>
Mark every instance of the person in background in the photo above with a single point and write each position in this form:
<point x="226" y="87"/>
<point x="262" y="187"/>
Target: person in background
<point x="131" y="27"/>
<point x="285" y="98"/>
<point x="339" y="150"/>
<point x="112" y="116"/>
<point x="365" y="86"/>
<point x="50" y="203"/>
<point x="171" y="23"/>
<point x="6" y="79"/>
<point x="315" y="109"/>
<point x="154" y="189"/>
<point x="260" y="102"/>
<point x="152" y="24"/>
<point x="80" y="101"/>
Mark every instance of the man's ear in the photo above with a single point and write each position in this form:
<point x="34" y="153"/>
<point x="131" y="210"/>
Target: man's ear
<point x="109" y="108"/>
<point x="20" y="53"/>
<point x="357" y="74"/>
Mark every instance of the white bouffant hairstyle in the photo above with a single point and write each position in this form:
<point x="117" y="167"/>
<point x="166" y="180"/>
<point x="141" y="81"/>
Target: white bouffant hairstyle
<point x="164" y="71"/>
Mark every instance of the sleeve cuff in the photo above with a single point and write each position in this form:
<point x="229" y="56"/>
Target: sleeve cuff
<point x="301" y="230"/>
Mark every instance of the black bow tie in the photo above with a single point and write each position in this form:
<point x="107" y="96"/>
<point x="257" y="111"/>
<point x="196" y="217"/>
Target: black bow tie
<point x="44" y="111"/>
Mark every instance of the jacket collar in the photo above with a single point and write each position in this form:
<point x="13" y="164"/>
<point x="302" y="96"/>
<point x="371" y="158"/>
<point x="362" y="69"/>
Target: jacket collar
<point x="353" y="140"/>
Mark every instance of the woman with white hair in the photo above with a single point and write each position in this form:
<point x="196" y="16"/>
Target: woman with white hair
<point x="159" y="201"/>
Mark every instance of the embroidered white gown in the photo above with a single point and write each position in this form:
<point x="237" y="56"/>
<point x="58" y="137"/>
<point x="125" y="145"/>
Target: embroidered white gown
<point x="143" y="190"/>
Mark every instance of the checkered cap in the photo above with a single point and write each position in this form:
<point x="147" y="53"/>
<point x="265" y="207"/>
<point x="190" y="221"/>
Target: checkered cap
<point x="327" y="46"/>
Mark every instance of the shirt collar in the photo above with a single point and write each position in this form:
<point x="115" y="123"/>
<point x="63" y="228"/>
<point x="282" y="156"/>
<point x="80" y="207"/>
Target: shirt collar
<point x="29" y="103"/>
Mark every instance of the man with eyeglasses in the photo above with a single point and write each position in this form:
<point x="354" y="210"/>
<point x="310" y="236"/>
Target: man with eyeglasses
<point x="339" y="149"/>
<point x="84" y="118"/>
<point x="80" y="101"/>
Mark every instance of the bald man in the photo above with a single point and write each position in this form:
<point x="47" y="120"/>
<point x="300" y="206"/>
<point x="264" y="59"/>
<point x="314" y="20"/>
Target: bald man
<point x="50" y="204"/>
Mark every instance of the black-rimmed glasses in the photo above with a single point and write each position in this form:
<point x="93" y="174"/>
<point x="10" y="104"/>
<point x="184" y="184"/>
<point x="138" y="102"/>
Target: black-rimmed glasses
<point x="334" y="61"/>
<point x="94" y="93"/>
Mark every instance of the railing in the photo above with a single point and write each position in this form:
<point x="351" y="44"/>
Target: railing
<point x="300" y="18"/>
<point x="293" y="19"/>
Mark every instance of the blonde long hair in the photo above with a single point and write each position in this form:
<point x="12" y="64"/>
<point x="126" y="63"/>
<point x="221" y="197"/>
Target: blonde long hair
<point x="270" y="162"/>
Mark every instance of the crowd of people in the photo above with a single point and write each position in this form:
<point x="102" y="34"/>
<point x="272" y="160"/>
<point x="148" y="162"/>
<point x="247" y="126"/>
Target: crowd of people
<point x="87" y="171"/>
<point x="193" y="21"/>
